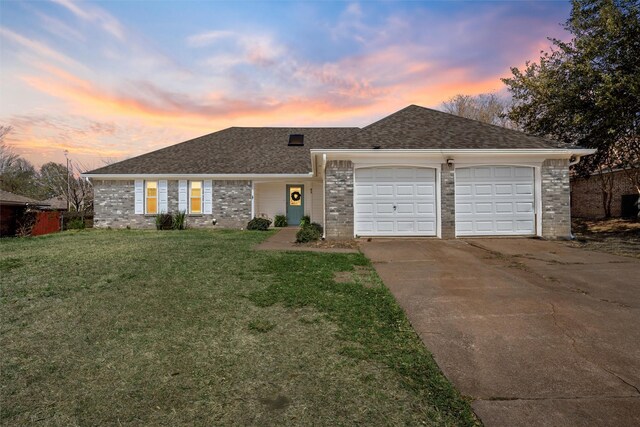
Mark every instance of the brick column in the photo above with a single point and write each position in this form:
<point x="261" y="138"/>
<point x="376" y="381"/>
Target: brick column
<point x="339" y="199"/>
<point x="447" y="202"/>
<point x="556" y="195"/>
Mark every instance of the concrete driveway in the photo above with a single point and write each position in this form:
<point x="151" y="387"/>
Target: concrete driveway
<point x="537" y="333"/>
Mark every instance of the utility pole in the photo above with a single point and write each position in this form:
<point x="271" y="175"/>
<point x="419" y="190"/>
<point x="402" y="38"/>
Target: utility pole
<point x="66" y="155"/>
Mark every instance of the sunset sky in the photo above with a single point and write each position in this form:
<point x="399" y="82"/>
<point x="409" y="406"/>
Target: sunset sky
<point x="110" y="80"/>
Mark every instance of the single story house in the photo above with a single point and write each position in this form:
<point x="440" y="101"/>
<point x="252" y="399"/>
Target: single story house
<point x="417" y="172"/>
<point x="12" y="209"/>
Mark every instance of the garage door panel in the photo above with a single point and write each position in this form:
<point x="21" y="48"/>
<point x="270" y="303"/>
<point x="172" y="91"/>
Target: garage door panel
<point x="494" y="200"/>
<point x="384" y="190"/>
<point x="405" y="190"/>
<point x="410" y="190"/>
<point x="524" y="189"/>
<point x="425" y="190"/>
<point x="504" y="208"/>
<point x="483" y="190"/>
<point x="383" y="208"/>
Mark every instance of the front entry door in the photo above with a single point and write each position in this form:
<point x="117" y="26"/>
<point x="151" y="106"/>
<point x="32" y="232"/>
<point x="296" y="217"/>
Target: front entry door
<point x="295" y="204"/>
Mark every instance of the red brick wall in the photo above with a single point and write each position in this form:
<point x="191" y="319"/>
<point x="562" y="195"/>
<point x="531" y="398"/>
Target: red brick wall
<point x="586" y="196"/>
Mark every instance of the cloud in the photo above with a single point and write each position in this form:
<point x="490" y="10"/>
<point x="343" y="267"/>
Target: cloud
<point x="95" y="15"/>
<point x="36" y="47"/>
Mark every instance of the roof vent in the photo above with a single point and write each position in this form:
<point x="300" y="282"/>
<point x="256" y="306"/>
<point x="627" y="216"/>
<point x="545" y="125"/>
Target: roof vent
<point x="296" y="140"/>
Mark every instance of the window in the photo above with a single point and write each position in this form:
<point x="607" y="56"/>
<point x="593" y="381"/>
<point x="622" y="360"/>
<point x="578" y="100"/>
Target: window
<point x="195" y="197"/>
<point x="151" y="197"/>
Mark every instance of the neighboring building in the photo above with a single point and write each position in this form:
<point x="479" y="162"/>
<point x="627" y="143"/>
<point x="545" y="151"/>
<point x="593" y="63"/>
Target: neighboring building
<point x="12" y="208"/>
<point x="587" y="198"/>
<point x="417" y="172"/>
<point x="57" y="203"/>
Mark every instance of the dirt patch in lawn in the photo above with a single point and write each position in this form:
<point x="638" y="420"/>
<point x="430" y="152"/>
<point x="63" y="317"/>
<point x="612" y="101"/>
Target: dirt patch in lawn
<point x="332" y="244"/>
<point x="361" y="274"/>
<point x="615" y="236"/>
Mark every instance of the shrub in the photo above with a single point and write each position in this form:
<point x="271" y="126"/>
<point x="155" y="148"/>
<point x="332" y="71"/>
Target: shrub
<point x="179" y="220"/>
<point x="76" y="224"/>
<point x="261" y="224"/>
<point x="317" y="227"/>
<point x="280" y="221"/>
<point x="308" y="234"/>
<point x="164" y="221"/>
<point x="305" y="220"/>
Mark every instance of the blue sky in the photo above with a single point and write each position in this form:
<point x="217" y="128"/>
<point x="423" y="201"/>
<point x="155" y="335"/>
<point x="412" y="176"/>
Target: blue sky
<point x="108" y="80"/>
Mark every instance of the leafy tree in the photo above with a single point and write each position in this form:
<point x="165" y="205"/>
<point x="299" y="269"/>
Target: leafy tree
<point x="587" y="91"/>
<point x="486" y="107"/>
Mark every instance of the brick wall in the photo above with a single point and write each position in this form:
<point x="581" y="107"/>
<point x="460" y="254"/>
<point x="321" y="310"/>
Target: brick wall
<point x="339" y="199"/>
<point x="448" y="202"/>
<point x="586" y="195"/>
<point x="114" y="205"/>
<point x="556" y="209"/>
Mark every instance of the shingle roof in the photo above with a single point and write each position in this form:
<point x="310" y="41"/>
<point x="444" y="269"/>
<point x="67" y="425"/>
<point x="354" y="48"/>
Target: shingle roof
<point x="236" y="150"/>
<point x="253" y="150"/>
<point x="416" y="127"/>
<point x="8" y="198"/>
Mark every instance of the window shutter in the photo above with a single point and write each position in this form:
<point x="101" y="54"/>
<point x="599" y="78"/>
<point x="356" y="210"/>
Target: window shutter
<point x="182" y="195"/>
<point x="207" y="195"/>
<point x="139" y="196"/>
<point x="163" y="202"/>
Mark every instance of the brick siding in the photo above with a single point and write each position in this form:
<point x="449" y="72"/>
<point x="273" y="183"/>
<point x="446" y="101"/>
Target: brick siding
<point x="448" y="201"/>
<point x="556" y="209"/>
<point x="339" y="199"/>
<point x="114" y="205"/>
<point x="586" y="195"/>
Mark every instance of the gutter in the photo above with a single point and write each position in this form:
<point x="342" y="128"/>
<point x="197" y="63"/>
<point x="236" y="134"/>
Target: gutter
<point x="228" y="176"/>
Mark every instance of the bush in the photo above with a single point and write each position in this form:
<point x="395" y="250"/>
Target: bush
<point x="76" y="224"/>
<point x="317" y="227"/>
<point x="179" y="220"/>
<point x="305" y="220"/>
<point x="164" y="221"/>
<point x="308" y="234"/>
<point x="280" y="221"/>
<point x="261" y="224"/>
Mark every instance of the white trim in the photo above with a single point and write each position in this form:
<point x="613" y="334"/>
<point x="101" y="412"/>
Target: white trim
<point x="253" y="200"/>
<point x="324" y="197"/>
<point x="197" y="176"/>
<point x="183" y="195"/>
<point x="138" y="191"/>
<point x="537" y="188"/>
<point x="163" y="196"/>
<point x="207" y="197"/>
<point x="475" y="151"/>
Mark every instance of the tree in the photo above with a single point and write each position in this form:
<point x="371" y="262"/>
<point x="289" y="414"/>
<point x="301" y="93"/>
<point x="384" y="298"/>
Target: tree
<point x="55" y="180"/>
<point x="587" y="91"/>
<point x="486" y="107"/>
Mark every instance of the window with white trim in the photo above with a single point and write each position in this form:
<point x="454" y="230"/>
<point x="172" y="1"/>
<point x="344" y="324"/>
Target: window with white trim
<point x="195" y="197"/>
<point x="151" y="197"/>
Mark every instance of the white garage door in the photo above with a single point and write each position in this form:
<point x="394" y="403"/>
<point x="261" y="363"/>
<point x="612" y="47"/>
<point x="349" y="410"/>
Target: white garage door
<point x="395" y="202"/>
<point x="494" y="200"/>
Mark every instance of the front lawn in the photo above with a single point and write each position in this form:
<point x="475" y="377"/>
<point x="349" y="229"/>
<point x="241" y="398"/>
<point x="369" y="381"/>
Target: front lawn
<point x="197" y="328"/>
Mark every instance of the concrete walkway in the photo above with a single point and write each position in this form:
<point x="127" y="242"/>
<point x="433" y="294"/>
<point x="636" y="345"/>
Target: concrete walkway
<point x="285" y="240"/>
<point x="537" y="333"/>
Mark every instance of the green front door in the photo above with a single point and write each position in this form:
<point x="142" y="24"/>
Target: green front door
<point x="295" y="204"/>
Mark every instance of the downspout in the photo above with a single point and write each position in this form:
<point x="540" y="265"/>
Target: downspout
<point x="253" y="200"/>
<point x="324" y="197"/>
<point x="571" y="163"/>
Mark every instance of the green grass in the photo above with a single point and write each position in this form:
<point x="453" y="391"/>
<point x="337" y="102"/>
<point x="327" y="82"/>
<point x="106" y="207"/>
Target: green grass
<point x="196" y="328"/>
